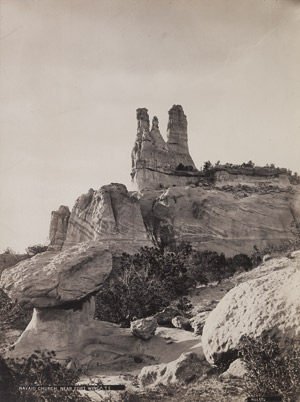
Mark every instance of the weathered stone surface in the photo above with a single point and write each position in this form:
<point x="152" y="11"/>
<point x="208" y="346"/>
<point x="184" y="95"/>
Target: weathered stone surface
<point x="197" y="322"/>
<point x="144" y="328"/>
<point x="158" y="163"/>
<point x="58" y="227"/>
<point x="181" y="322"/>
<point x="165" y="316"/>
<point x="54" y="278"/>
<point x="237" y="369"/>
<point x="188" y="367"/>
<point x="216" y="220"/>
<point x="267" y="305"/>
<point x="109" y="213"/>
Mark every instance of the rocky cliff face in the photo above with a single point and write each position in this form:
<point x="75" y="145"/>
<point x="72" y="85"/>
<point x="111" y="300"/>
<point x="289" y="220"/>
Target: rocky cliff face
<point x="223" y="221"/>
<point x="109" y="213"/>
<point x="157" y="163"/>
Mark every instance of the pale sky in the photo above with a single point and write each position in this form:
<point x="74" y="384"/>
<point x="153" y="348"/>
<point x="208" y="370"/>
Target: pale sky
<point x="73" y="73"/>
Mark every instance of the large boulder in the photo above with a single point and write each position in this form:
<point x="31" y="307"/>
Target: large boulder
<point x="55" y="278"/>
<point x="268" y="305"/>
<point x="188" y="367"/>
<point x="144" y="328"/>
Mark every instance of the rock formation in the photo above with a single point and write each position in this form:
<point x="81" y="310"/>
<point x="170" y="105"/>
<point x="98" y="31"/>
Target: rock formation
<point x="109" y="213"/>
<point x="268" y="305"/>
<point x="58" y="227"/>
<point x="157" y="163"/>
<point x="212" y="219"/>
<point x="56" y="278"/>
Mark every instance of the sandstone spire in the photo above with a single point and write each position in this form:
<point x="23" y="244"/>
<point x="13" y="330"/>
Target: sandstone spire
<point x="155" y="162"/>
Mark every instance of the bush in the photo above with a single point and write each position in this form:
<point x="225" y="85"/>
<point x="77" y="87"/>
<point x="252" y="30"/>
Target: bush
<point x="36" y="249"/>
<point x="144" y="284"/>
<point x="271" y="372"/>
<point x="148" y="281"/>
<point x="39" y="369"/>
<point x="13" y="315"/>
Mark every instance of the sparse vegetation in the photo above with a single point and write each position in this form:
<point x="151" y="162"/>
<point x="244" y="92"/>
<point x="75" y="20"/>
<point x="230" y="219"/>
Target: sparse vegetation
<point x="40" y="369"/>
<point x="148" y="281"/>
<point x="271" y="371"/>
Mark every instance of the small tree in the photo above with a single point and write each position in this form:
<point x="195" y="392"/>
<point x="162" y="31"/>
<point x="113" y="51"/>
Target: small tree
<point x="36" y="249"/>
<point x="207" y="165"/>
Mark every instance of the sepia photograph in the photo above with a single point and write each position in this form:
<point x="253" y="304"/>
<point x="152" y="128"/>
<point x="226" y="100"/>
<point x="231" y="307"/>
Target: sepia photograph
<point x="150" y="200"/>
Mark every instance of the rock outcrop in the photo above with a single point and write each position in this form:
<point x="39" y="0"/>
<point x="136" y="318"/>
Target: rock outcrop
<point x="211" y="219"/>
<point x="157" y="163"/>
<point x="266" y="306"/>
<point x="107" y="214"/>
<point x="58" y="227"/>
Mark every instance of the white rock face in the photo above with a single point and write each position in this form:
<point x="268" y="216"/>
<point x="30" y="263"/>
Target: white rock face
<point x="267" y="305"/>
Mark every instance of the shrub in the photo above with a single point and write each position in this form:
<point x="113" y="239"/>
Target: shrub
<point x="144" y="284"/>
<point x="271" y="371"/>
<point x="36" y="249"/>
<point x="13" y="315"/>
<point x="39" y="369"/>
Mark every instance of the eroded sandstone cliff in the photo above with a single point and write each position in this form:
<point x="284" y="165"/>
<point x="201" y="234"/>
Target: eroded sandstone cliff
<point x="109" y="213"/>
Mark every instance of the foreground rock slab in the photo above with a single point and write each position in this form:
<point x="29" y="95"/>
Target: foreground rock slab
<point x="268" y="305"/>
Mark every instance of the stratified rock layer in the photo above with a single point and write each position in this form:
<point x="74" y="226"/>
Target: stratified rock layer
<point x="211" y="219"/>
<point x="109" y="213"/>
<point x="268" y="305"/>
<point x="157" y="163"/>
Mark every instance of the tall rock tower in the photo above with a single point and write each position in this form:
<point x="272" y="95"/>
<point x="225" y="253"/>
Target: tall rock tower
<point x="157" y="163"/>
